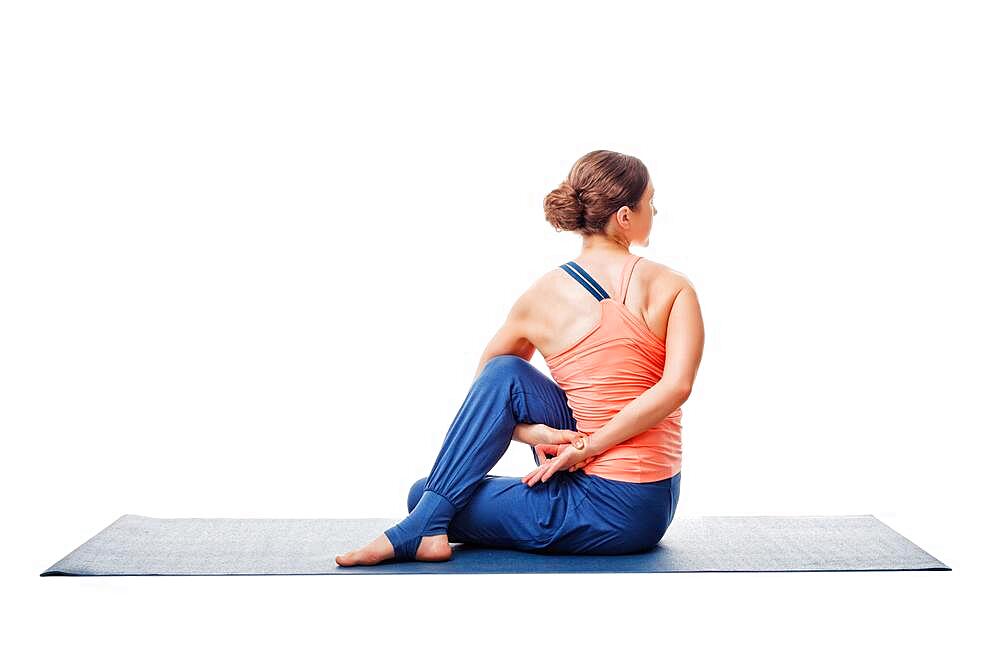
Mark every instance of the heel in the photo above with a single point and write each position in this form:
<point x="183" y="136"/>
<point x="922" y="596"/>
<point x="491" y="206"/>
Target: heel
<point x="431" y="516"/>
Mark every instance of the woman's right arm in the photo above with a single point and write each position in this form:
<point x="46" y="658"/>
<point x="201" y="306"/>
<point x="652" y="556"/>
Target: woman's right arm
<point x="685" y="341"/>
<point x="513" y="335"/>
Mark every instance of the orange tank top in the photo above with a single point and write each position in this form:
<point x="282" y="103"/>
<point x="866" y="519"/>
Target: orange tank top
<point x="604" y="370"/>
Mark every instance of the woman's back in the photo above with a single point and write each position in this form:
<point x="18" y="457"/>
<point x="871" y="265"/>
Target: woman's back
<point x="563" y="310"/>
<point x="605" y="361"/>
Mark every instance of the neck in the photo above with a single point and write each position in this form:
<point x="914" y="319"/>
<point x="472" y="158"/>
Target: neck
<point x="599" y="244"/>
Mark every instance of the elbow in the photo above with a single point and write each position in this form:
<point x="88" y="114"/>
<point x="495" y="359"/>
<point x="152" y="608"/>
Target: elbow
<point x="681" y="390"/>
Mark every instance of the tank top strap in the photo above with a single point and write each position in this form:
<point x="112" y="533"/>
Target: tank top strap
<point x="626" y="277"/>
<point x="585" y="279"/>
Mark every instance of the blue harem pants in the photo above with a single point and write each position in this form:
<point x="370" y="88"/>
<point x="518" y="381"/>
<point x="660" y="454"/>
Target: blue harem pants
<point x="571" y="513"/>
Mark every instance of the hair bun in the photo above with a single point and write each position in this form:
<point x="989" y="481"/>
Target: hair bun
<point x="564" y="208"/>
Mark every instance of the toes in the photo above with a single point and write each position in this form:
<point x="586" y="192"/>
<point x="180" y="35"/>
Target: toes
<point x="370" y="554"/>
<point x="347" y="559"/>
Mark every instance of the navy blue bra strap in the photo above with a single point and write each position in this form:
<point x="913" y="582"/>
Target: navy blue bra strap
<point x="597" y="286"/>
<point x="585" y="279"/>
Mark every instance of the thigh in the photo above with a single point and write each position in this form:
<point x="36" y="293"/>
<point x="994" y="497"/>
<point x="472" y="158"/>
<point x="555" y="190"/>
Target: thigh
<point x="571" y="513"/>
<point x="620" y="517"/>
<point x="535" y="397"/>
<point x="505" y="512"/>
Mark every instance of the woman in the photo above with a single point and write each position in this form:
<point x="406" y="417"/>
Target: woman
<point x="623" y="340"/>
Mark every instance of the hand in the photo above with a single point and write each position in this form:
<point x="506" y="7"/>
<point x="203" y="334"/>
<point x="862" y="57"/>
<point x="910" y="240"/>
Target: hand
<point x="575" y="466"/>
<point x="543" y="434"/>
<point x="538" y="435"/>
<point x="582" y="464"/>
<point x="567" y="457"/>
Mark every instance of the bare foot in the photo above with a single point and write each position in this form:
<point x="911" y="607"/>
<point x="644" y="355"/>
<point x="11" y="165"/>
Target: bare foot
<point x="432" y="548"/>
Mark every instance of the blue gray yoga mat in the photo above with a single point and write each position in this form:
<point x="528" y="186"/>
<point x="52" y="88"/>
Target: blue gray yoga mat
<point x="142" y="545"/>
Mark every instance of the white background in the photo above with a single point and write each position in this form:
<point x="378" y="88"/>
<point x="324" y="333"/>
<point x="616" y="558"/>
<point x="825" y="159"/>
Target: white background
<point x="251" y="254"/>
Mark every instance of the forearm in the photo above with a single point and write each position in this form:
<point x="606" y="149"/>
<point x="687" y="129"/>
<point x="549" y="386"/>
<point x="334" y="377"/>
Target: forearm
<point x="519" y="434"/>
<point x="644" y="412"/>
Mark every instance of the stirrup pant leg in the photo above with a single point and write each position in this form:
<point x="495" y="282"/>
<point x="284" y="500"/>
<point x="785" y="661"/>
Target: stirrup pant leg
<point x="508" y="391"/>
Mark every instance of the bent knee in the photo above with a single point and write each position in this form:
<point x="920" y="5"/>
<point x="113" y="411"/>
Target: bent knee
<point x="416" y="491"/>
<point x="505" y="364"/>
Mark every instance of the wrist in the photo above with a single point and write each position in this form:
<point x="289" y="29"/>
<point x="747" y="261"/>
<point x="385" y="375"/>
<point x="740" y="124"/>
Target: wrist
<point x="584" y="446"/>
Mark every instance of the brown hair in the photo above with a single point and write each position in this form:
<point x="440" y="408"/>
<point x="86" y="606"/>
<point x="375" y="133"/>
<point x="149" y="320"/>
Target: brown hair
<point x="599" y="183"/>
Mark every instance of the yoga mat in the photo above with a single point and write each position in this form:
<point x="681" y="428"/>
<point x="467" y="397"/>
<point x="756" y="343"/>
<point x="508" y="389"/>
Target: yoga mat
<point x="142" y="545"/>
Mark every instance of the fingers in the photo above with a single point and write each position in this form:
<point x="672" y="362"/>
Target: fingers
<point x="557" y="464"/>
<point x="538" y="474"/>
<point x="532" y="478"/>
<point x="551" y="466"/>
<point x="527" y="479"/>
<point x="569" y="435"/>
<point x="547" y="448"/>
<point x="540" y="454"/>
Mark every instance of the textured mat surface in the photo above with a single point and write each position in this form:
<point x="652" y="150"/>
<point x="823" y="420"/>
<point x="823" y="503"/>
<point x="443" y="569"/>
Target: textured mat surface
<point x="142" y="545"/>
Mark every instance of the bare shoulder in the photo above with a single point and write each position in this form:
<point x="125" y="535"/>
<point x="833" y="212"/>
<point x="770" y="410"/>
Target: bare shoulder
<point x="663" y="279"/>
<point x="545" y="286"/>
<point x="538" y="295"/>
